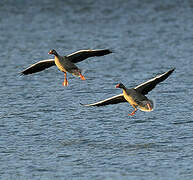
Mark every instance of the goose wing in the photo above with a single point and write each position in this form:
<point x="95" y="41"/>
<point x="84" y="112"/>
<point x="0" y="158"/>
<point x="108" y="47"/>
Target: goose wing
<point x="84" y="54"/>
<point x="147" y="86"/>
<point x="39" y="66"/>
<point x="112" y="100"/>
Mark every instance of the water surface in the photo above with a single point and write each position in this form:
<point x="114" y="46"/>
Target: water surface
<point x="46" y="134"/>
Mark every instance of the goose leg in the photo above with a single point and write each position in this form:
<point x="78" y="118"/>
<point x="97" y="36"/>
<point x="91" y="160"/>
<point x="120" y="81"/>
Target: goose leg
<point x="82" y="77"/>
<point x="65" y="83"/>
<point x="133" y="113"/>
<point x="148" y="105"/>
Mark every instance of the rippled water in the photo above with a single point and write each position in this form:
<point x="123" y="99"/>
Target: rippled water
<point x="46" y="134"/>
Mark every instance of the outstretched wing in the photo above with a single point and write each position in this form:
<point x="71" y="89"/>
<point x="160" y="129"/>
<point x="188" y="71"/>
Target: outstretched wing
<point x="112" y="100"/>
<point x="84" y="54"/>
<point x="39" y="66"/>
<point x="147" y="86"/>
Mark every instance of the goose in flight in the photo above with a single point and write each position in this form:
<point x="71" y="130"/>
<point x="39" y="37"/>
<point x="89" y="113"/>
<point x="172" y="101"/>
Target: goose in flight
<point x="135" y="96"/>
<point x="65" y="63"/>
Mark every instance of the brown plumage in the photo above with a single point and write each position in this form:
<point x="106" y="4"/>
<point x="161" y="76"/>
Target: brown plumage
<point x="135" y="96"/>
<point x="65" y="63"/>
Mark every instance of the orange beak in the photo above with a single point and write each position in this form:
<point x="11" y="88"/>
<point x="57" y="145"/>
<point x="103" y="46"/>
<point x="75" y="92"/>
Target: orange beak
<point x="117" y="86"/>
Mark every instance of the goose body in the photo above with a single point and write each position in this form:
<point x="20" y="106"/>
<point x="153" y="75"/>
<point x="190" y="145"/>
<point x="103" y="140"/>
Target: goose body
<point x="137" y="99"/>
<point x="65" y="63"/>
<point x="135" y="96"/>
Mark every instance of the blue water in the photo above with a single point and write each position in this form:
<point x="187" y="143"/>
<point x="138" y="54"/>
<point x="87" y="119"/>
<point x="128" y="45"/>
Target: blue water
<point x="44" y="131"/>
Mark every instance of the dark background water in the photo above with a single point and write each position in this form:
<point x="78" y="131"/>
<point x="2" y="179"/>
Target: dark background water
<point x="46" y="134"/>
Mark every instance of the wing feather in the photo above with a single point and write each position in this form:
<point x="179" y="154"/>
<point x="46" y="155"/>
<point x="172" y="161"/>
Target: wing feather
<point x="112" y="100"/>
<point x="84" y="54"/>
<point x="147" y="86"/>
<point x="39" y="66"/>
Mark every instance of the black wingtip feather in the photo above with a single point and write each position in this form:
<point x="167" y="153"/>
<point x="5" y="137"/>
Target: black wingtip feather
<point x="105" y="52"/>
<point x="171" y="71"/>
<point x="109" y="51"/>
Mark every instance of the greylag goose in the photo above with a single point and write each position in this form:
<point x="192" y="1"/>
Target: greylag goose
<point x="65" y="63"/>
<point x="135" y="96"/>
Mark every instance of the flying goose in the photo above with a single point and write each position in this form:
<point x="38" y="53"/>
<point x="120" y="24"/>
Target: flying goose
<point x="135" y="96"/>
<point x="65" y="63"/>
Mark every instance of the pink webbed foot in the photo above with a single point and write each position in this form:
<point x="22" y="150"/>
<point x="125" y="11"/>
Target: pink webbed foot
<point x="65" y="83"/>
<point x="133" y="113"/>
<point x="82" y="77"/>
